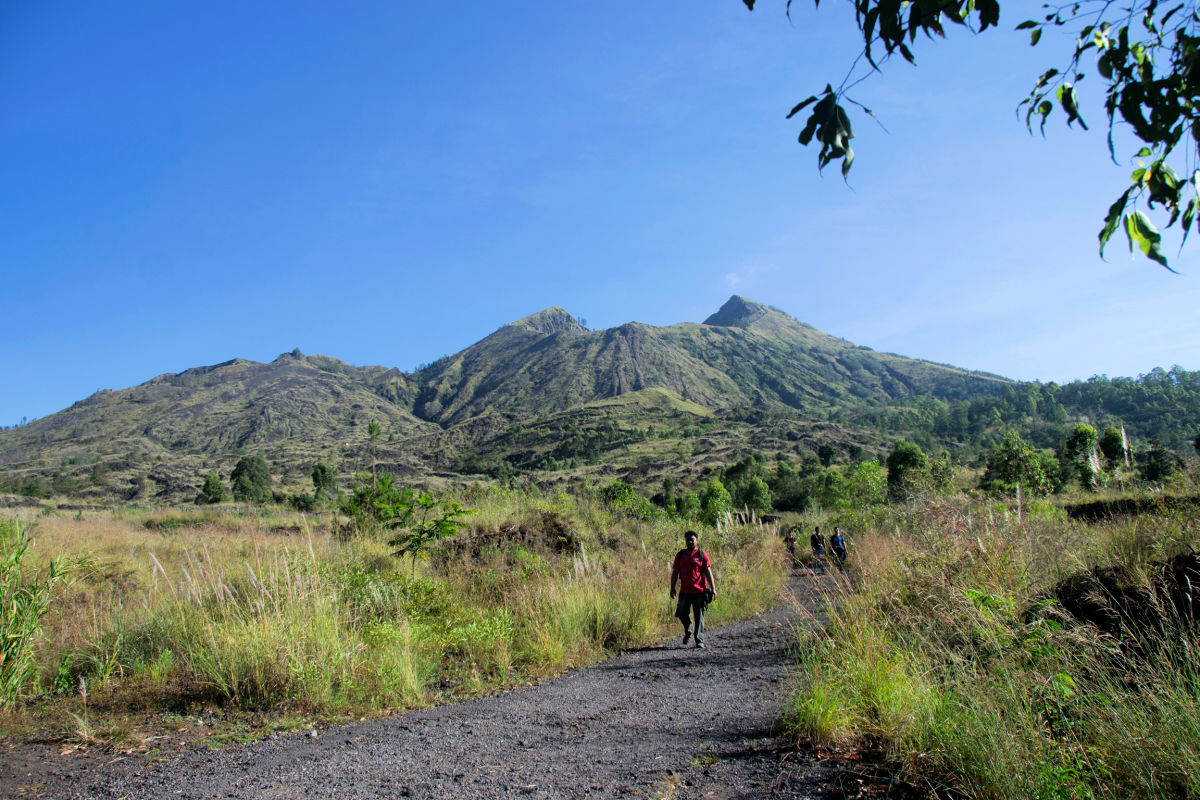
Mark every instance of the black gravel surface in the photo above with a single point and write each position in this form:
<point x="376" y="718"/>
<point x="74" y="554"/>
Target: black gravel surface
<point x="661" y="722"/>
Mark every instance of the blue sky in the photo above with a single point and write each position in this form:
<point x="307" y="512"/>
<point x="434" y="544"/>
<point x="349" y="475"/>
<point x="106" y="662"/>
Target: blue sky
<point x="181" y="184"/>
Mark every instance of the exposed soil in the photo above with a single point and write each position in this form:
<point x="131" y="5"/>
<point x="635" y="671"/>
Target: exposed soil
<point x="659" y="722"/>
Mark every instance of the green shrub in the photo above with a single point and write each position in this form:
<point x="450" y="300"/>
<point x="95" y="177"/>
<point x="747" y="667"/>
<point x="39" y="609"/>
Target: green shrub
<point x="25" y="597"/>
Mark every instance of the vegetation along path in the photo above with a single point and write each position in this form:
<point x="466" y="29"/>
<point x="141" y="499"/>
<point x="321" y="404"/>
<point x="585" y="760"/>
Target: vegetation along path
<point x="660" y="722"/>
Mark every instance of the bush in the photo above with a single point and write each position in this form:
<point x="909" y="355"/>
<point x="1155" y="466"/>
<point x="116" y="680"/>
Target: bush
<point x="213" y="491"/>
<point x="24" y="599"/>
<point x="251" y="479"/>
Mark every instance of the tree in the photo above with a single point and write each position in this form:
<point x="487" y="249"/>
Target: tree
<point x="1145" y="55"/>
<point x="1014" y="466"/>
<point x="826" y="453"/>
<point x="907" y="467"/>
<point x="1081" y="449"/>
<point x="251" y="479"/>
<point x="373" y="433"/>
<point x="324" y="480"/>
<point x="213" y="491"/>
<point x="1157" y="464"/>
<point x="866" y="484"/>
<point x="755" y="495"/>
<point x="421" y="521"/>
<point x="1112" y="445"/>
<point x="715" y="501"/>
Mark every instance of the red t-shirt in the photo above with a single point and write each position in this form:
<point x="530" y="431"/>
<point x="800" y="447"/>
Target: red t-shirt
<point x="691" y="566"/>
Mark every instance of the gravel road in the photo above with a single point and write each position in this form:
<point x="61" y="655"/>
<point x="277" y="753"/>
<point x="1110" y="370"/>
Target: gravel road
<point x="659" y="722"/>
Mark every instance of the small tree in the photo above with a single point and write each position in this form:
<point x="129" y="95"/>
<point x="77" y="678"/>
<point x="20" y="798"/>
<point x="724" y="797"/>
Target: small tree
<point x="373" y="434"/>
<point x="715" y="501"/>
<point x="1112" y="445"/>
<point x="1157" y="463"/>
<point x="324" y="481"/>
<point x="1013" y="466"/>
<point x="755" y="495"/>
<point x="866" y="484"/>
<point x="251" y="479"/>
<point x="213" y="491"/>
<point x="1082" y="450"/>
<point x="908" y="468"/>
<point x="421" y="523"/>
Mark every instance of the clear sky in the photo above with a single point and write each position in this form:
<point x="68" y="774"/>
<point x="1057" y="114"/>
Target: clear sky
<point x="386" y="183"/>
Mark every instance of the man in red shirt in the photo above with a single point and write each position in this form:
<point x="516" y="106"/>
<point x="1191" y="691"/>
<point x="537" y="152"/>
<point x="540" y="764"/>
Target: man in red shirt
<point x="692" y="570"/>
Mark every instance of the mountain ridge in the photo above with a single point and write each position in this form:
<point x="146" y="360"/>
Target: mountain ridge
<point x="542" y="390"/>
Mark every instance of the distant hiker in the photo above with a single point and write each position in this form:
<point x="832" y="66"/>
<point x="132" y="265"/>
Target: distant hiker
<point x="692" y="570"/>
<point x="817" y="542"/>
<point x="837" y="543"/>
<point x="789" y="539"/>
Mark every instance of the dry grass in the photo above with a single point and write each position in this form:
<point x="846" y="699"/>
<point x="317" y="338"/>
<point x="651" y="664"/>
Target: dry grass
<point x="270" y="613"/>
<point x="947" y="654"/>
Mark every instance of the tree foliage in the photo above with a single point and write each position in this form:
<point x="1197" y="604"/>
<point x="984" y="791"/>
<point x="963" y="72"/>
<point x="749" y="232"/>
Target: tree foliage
<point x="1012" y="464"/>
<point x="907" y="470"/>
<point x="251" y="479"/>
<point x="213" y="491"/>
<point x="422" y="520"/>
<point x="1081" y="449"/>
<point x="1147" y="54"/>
<point x="324" y="481"/>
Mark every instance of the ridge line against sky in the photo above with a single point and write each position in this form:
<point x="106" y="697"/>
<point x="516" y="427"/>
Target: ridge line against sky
<point x="387" y="185"/>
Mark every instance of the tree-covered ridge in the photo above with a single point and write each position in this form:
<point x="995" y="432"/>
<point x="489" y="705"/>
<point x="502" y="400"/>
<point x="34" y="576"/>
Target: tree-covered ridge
<point x="1163" y="405"/>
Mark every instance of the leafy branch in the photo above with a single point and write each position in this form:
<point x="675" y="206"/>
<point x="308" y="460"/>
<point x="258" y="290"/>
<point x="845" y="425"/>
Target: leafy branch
<point x="1149" y="57"/>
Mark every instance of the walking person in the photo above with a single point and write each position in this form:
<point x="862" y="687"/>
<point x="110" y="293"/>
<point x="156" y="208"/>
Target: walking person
<point x="692" y="571"/>
<point x="789" y="541"/>
<point x="838" y="544"/>
<point x="817" y="542"/>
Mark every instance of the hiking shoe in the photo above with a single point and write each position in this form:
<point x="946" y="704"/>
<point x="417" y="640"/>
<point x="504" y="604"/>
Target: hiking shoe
<point x="687" y="637"/>
<point x="700" y="645"/>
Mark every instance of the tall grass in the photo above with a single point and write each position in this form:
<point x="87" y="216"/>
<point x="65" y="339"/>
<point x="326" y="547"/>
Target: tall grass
<point x="949" y="653"/>
<point x="25" y="596"/>
<point x="208" y="607"/>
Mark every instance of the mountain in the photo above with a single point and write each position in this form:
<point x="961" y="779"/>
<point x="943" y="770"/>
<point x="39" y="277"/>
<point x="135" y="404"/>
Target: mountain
<point x="746" y="354"/>
<point x="543" y="393"/>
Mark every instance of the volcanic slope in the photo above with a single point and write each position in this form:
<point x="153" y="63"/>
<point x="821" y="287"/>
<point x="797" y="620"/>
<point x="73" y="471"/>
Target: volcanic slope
<point x="745" y="361"/>
<point x="746" y="354"/>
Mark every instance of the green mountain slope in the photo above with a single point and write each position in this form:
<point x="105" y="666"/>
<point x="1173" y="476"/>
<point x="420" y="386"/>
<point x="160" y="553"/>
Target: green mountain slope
<point x="546" y="394"/>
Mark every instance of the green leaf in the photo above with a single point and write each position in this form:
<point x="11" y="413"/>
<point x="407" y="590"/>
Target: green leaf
<point x="1189" y="214"/>
<point x="1026" y="24"/>
<point x="1141" y="231"/>
<point x="1113" y="218"/>
<point x="801" y="105"/>
<point x="1035" y="36"/>
<point x="1044" y="78"/>
<point x="1064" y="685"/>
<point x="1070" y="104"/>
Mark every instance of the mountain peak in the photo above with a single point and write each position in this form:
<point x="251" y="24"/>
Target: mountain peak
<point x="738" y="312"/>
<point x="550" y="321"/>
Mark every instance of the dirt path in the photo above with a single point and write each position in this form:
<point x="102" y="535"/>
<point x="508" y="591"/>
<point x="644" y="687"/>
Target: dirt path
<point x="661" y="722"/>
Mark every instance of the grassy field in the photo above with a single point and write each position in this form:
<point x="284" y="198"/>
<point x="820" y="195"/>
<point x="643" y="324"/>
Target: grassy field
<point x="956" y="650"/>
<point x="274" y="618"/>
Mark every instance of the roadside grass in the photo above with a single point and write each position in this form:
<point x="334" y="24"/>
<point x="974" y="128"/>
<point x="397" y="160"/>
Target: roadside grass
<point x="215" y="614"/>
<point x="948" y="652"/>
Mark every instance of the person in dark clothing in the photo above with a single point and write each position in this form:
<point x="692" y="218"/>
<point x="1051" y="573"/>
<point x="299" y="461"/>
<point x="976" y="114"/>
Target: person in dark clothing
<point x="837" y="543"/>
<point x="692" y="571"/>
<point x="789" y="541"/>
<point x="817" y="542"/>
